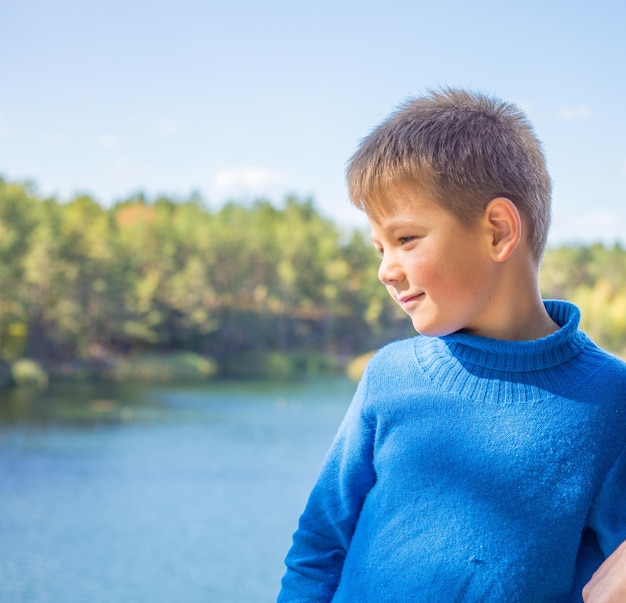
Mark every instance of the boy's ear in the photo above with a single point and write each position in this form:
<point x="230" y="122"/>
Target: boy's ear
<point x="504" y="225"/>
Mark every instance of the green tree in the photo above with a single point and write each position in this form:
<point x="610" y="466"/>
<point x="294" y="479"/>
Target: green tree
<point x="18" y="205"/>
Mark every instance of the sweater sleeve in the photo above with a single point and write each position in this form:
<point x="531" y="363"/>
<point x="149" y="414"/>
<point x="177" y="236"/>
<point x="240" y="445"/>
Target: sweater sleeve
<point x="315" y="560"/>
<point x="608" y="515"/>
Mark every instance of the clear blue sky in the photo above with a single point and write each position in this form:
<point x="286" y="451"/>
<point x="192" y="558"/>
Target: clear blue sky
<point x="238" y="99"/>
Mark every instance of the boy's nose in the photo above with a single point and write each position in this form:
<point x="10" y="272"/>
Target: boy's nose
<point x="389" y="272"/>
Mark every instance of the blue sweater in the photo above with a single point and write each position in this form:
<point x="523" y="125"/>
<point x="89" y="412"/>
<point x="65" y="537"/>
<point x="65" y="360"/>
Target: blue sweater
<point x="470" y="469"/>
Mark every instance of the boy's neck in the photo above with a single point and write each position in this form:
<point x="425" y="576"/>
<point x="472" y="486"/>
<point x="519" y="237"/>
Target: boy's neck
<point x="521" y="314"/>
<point x="536" y="324"/>
<point x="521" y="323"/>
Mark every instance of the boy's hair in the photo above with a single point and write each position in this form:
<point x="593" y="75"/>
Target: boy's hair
<point x="464" y="149"/>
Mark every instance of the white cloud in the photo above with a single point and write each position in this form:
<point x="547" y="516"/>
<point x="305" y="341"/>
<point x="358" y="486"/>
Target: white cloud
<point x="249" y="179"/>
<point x="108" y="141"/>
<point x="574" y="113"/>
<point x="167" y="126"/>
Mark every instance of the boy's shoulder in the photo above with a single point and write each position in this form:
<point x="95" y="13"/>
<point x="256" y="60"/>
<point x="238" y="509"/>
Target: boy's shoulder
<point x="610" y="366"/>
<point x="601" y="357"/>
<point x="400" y="358"/>
<point x="398" y="347"/>
<point x="393" y="355"/>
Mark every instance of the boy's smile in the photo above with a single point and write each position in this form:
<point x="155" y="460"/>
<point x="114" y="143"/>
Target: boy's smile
<point x="408" y="301"/>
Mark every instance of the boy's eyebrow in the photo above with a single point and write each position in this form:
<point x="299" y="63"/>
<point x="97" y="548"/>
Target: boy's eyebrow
<point x="395" y="223"/>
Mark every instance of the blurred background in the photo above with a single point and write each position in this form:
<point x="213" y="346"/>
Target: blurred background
<point x="186" y="294"/>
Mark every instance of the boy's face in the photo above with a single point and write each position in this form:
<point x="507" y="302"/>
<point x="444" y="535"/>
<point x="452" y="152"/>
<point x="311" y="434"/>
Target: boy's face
<point x="438" y="270"/>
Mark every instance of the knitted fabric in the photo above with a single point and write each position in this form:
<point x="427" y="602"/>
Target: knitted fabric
<point x="470" y="469"/>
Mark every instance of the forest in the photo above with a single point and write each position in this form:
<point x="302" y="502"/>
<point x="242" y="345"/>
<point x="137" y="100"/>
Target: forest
<point x="245" y="284"/>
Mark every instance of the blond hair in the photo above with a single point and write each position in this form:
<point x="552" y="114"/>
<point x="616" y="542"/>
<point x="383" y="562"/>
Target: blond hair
<point x="464" y="149"/>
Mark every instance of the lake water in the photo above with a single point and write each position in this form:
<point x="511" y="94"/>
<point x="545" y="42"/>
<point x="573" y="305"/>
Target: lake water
<point x="157" y="494"/>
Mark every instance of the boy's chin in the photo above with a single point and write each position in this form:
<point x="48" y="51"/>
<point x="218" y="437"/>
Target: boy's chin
<point x="426" y="332"/>
<point x="432" y="330"/>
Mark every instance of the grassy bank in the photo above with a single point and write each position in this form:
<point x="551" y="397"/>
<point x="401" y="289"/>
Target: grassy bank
<point x="171" y="367"/>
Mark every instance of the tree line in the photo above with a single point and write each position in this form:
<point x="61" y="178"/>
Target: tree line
<point x="594" y="278"/>
<point x="79" y="281"/>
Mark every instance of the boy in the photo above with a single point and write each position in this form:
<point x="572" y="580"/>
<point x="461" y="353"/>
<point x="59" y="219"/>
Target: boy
<point x="483" y="461"/>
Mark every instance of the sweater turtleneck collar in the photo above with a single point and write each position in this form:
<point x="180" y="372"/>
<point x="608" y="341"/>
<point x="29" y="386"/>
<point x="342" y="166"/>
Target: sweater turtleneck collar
<point x="514" y="356"/>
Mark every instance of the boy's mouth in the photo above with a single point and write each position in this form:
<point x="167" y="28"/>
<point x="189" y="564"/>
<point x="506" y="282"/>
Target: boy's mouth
<point x="407" y="300"/>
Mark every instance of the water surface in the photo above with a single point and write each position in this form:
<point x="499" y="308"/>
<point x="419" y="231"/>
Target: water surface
<point x="132" y="494"/>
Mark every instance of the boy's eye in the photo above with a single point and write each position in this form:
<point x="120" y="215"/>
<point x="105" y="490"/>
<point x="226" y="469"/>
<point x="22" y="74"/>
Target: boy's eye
<point x="404" y="240"/>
